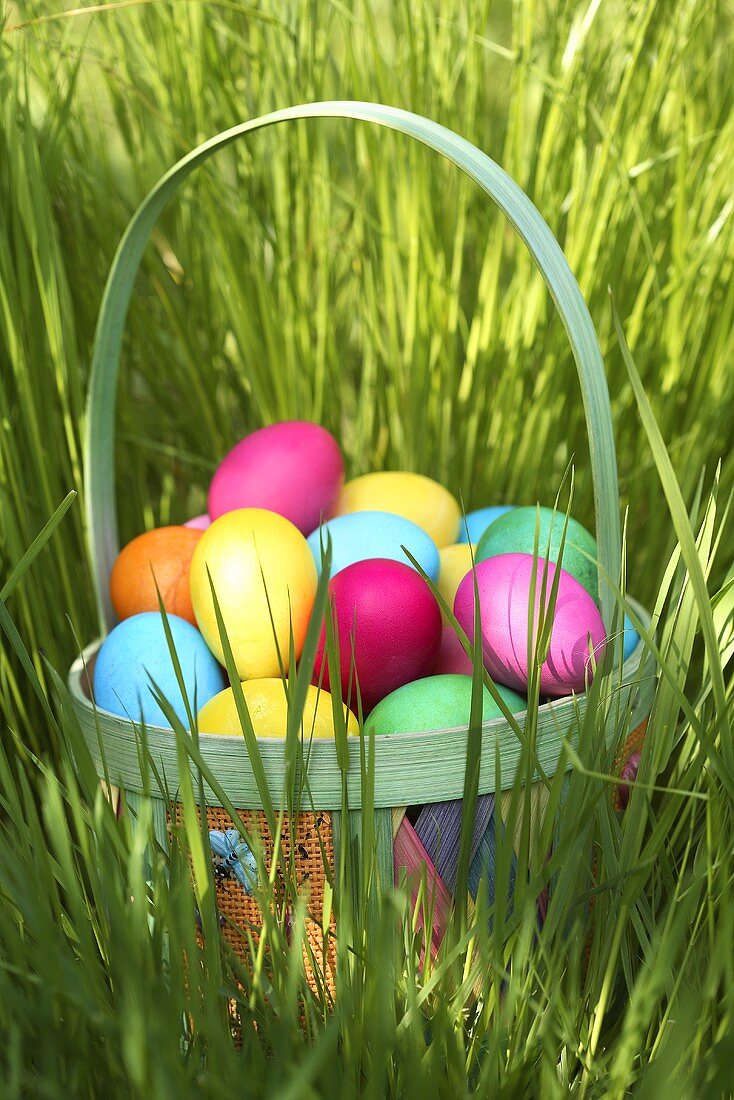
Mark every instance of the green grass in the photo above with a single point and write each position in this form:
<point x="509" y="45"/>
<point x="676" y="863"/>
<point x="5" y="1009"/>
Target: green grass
<point x="343" y="274"/>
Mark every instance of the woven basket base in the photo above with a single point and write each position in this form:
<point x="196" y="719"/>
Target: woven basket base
<point x="241" y="913"/>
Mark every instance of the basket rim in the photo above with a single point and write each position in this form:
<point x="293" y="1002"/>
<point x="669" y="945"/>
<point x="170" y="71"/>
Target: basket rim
<point x="114" y="743"/>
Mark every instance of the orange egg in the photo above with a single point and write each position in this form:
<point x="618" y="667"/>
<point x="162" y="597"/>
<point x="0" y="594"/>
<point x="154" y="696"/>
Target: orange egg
<point x="163" y="557"/>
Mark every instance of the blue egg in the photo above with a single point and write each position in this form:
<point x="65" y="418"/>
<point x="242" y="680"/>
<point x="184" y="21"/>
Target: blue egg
<point x="136" y="652"/>
<point x="631" y="638"/>
<point x="362" y="535"/>
<point x="478" y="522"/>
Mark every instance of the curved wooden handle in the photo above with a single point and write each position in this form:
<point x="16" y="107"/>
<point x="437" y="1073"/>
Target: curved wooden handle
<point x="543" y="247"/>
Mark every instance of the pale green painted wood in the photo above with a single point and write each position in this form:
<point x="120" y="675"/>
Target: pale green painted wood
<point x="546" y="252"/>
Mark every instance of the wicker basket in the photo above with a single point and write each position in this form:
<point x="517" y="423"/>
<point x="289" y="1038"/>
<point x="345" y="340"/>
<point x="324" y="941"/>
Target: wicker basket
<point x="403" y="844"/>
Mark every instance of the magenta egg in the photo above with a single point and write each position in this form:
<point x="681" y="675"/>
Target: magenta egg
<point x="503" y="585"/>
<point x="294" y="468"/>
<point x="199" y="523"/>
<point x="387" y="615"/>
<point x="451" y="658"/>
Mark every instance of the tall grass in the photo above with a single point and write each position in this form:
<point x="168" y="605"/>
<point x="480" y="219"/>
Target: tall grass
<point x="341" y="274"/>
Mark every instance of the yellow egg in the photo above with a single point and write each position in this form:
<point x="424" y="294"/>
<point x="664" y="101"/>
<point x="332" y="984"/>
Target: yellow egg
<point x="455" y="564"/>
<point x="240" y="550"/>
<point x="267" y="703"/>
<point x="418" y="498"/>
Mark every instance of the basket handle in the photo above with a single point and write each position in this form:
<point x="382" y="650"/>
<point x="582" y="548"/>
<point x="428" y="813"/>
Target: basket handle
<point x="99" y="455"/>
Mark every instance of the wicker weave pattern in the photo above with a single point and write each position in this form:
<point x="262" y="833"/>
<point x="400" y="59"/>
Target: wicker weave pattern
<point x="314" y="847"/>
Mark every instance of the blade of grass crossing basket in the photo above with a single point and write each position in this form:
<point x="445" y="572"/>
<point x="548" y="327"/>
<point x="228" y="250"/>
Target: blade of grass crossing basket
<point x="192" y="752"/>
<point x="73" y="730"/>
<point x="527" y="221"/>
<point x="439" y="828"/>
<point x="291" y="748"/>
<point x="473" y="762"/>
<point x="504" y="869"/>
<point x="661" y="664"/>
<point x="344" y="844"/>
<point x="687" y="541"/>
<point x="373" y="826"/>
<point x="243" y="714"/>
<point x="339" y="706"/>
<point x="468" y="648"/>
<point x="301" y="676"/>
<point x="518" y="806"/>
<point x="197" y="837"/>
<point x="191" y="708"/>
<point x="429" y="897"/>
<point x="73" y="745"/>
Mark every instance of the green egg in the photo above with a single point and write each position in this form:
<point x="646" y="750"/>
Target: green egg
<point x="434" y="703"/>
<point x="514" y="533"/>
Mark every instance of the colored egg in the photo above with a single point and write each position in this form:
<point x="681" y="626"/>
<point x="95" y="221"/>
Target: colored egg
<point x="267" y="705"/>
<point x="160" y="557"/>
<point x="478" y="521"/>
<point x="503" y="585"/>
<point x="451" y="658"/>
<point x="294" y="468"/>
<point x="630" y="638"/>
<point x="456" y="561"/>
<point x="388" y="626"/>
<point x="418" y="498"/>
<point x="199" y="523"/>
<point x="136" y="652"/>
<point x="514" y="533"/>
<point x="363" y="535"/>
<point x="254" y="556"/>
<point x="436" y="703"/>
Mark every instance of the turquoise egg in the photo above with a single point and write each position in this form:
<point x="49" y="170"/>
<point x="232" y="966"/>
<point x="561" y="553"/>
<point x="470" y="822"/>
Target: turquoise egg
<point x="478" y="521"/>
<point x="436" y="702"/>
<point x="514" y="533"/>
<point x="136" y="652"/>
<point x="630" y="638"/>
<point x="358" y="536"/>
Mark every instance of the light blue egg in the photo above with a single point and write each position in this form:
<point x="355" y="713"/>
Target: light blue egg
<point x="631" y="638"/>
<point x="136" y="651"/>
<point x="362" y="535"/>
<point x="477" y="522"/>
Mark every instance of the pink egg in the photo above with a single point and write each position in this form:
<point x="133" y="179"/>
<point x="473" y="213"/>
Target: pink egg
<point x="390" y="615"/>
<point x="452" y="658"/>
<point x="199" y="523"/>
<point x="294" y="468"/>
<point x="503" y="584"/>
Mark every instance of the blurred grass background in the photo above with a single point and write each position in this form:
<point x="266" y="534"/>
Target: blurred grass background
<point x="331" y="272"/>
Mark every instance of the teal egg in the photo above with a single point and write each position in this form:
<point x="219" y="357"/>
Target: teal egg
<point x="436" y="702"/>
<point x="358" y="536"/>
<point x="136" y="652"/>
<point x="514" y="533"/>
